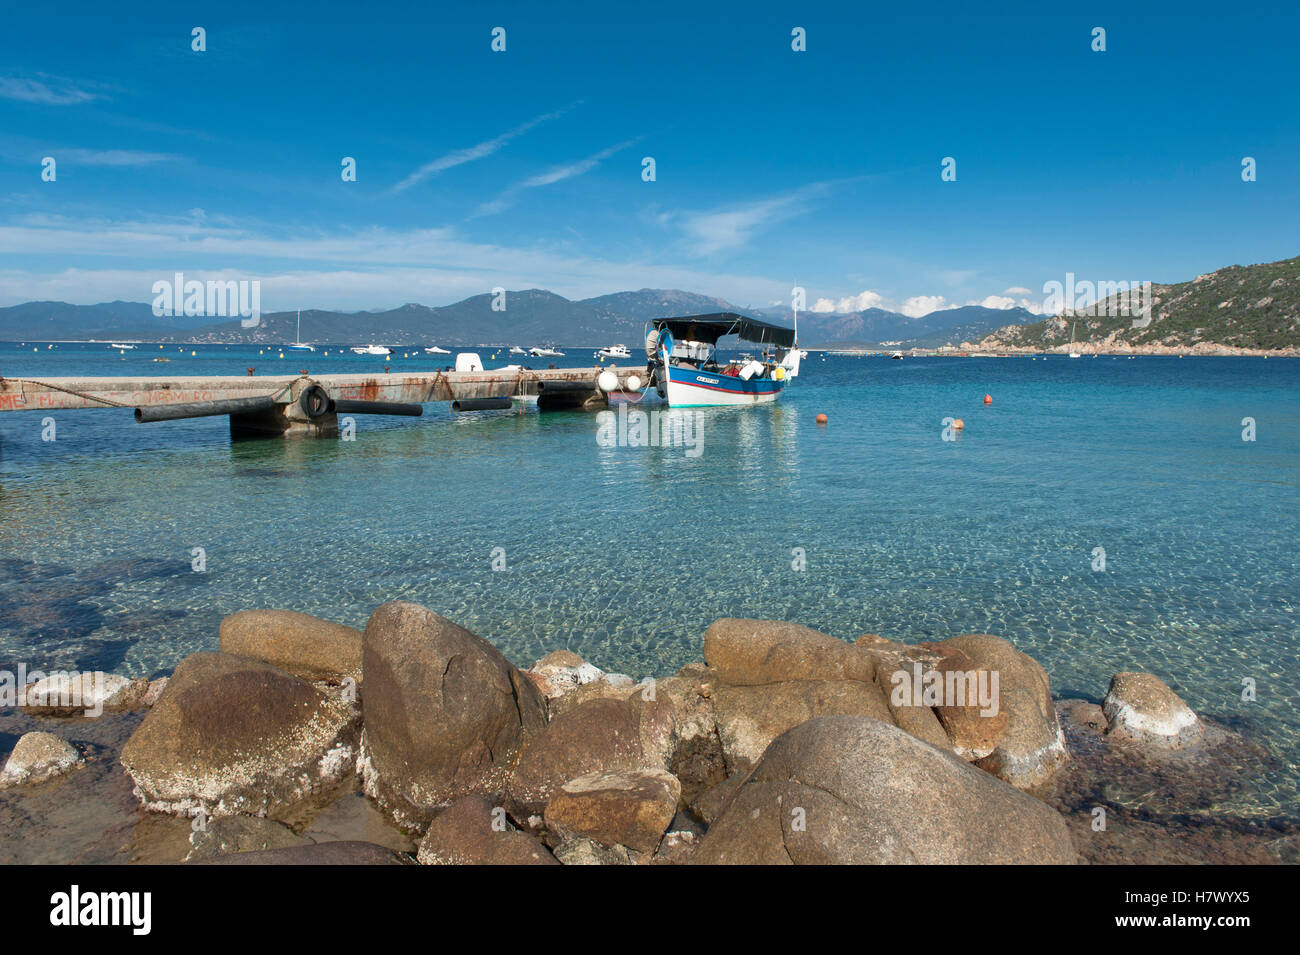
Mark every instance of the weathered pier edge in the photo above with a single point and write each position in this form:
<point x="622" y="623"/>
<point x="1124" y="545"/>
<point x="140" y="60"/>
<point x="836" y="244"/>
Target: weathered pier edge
<point x="307" y="405"/>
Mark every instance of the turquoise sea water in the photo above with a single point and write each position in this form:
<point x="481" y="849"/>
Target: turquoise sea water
<point x="626" y="554"/>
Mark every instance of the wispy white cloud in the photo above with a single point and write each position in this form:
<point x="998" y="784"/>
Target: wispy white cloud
<point x="914" y="307"/>
<point x="353" y="269"/>
<point x="47" y="90"/>
<point x="550" y="177"/>
<point x="1006" y="302"/>
<point x="569" y="170"/>
<point x="480" y="151"/>
<point x="853" y="303"/>
<point x="112" y="157"/>
<point x="732" y="226"/>
<point x="917" y="305"/>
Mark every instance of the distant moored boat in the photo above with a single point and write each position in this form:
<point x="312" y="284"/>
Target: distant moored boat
<point x="298" y="344"/>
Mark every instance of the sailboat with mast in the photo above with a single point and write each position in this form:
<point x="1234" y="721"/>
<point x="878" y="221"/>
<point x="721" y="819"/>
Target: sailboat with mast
<point x="1073" y="353"/>
<point x="298" y="343"/>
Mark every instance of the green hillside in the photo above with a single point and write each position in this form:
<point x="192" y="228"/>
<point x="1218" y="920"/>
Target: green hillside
<point x="1250" y="306"/>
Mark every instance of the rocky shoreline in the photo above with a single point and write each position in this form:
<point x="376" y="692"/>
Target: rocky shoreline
<point x="416" y="740"/>
<point x="1119" y="348"/>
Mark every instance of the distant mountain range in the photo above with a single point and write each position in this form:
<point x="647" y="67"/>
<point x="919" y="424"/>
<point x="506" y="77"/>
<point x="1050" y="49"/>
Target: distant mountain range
<point x="1244" y="307"/>
<point x="530" y="317"/>
<point x="46" y="321"/>
<point x="1250" y="307"/>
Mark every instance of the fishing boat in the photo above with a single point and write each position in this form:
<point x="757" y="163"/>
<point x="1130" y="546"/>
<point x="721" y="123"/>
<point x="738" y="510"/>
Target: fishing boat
<point x="545" y="351"/>
<point x="372" y="350"/>
<point x="298" y="344"/>
<point x="435" y="350"/>
<point x="683" y="357"/>
<point x="614" y="351"/>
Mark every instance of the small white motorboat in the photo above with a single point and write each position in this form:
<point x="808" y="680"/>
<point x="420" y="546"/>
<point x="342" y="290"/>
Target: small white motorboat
<point x="545" y="351"/>
<point x="435" y="350"/>
<point x="372" y="350"/>
<point x="121" y="347"/>
<point x="516" y="350"/>
<point x="614" y="351"/>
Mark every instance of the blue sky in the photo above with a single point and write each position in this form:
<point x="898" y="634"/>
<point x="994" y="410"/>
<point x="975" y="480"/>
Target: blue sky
<point x="521" y="169"/>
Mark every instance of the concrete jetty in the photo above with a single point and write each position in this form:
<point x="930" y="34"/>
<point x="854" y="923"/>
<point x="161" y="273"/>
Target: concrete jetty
<point x="307" y="404"/>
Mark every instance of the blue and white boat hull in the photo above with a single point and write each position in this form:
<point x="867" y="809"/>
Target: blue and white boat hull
<point x="691" y="388"/>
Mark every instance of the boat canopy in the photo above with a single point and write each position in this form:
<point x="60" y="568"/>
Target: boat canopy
<point x="709" y="328"/>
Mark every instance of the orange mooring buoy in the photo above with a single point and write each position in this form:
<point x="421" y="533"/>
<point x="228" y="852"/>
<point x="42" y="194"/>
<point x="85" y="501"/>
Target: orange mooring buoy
<point x="958" y="424"/>
<point x="822" y="419"/>
<point x="988" y="399"/>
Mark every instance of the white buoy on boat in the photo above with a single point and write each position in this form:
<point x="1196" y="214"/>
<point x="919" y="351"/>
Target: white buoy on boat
<point x="633" y="382"/>
<point x="607" y="380"/>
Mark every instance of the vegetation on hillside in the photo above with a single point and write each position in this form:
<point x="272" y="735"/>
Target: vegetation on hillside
<point x="1251" y="306"/>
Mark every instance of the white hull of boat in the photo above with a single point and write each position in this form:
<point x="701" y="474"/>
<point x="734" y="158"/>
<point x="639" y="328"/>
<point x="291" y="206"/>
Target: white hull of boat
<point x="704" y="394"/>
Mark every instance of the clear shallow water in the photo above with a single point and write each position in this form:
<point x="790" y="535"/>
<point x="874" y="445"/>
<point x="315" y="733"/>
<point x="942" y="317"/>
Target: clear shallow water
<point x="625" y="554"/>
